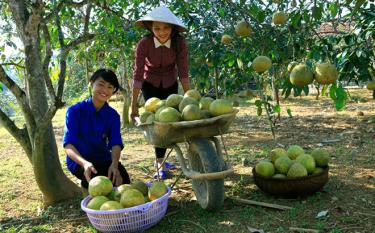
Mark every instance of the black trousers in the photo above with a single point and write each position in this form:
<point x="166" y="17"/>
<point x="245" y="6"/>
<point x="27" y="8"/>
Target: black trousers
<point x="102" y="170"/>
<point x="148" y="91"/>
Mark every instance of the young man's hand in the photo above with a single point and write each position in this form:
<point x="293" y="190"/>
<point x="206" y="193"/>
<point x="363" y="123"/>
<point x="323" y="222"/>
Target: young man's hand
<point x="88" y="168"/>
<point x="114" y="175"/>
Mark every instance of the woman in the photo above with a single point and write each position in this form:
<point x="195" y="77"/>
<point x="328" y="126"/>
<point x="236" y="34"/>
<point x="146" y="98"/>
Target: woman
<point x="160" y="57"/>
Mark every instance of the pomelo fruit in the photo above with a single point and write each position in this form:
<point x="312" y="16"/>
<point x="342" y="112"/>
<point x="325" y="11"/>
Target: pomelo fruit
<point x="96" y="202"/>
<point x="157" y="113"/>
<point x="226" y="39"/>
<point x="307" y="161"/>
<point x="144" y="115"/>
<point x="301" y="75"/>
<point x="132" y="197"/>
<point x="205" y="102"/>
<point x="140" y="186"/>
<point x="243" y="29"/>
<point x="193" y="94"/>
<point x="173" y="100"/>
<point x="191" y="112"/>
<point x="122" y="188"/>
<point x="220" y="106"/>
<point x="321" y="157"/>
<point x="297" y="170"/>
<point x="294" y="151"/>
<point x="111" y="205"/>
<point x="100" y="186"/>
<point x="186" y="101"/>
<point x="279" y="18"/>
<point x="261" y="64"/>
<point x="114" y="195"/>
<point x="291" y="66"/>
<point x="157" y="190"/>
<point x="265" y="168"/>
<point x="326" y="73"/>
<point x="150" y="104"/>
<point x="279" y="176"/>
<point x="276" y="153"/>
<point x="282" y="164"/>
<point x="169" y="114"/>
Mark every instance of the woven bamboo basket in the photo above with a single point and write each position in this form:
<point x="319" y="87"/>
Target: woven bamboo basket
<point x="292" y="187"/>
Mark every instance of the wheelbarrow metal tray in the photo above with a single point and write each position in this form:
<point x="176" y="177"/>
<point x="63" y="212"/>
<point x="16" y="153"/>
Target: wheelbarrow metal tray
<point x="165" y="134"/>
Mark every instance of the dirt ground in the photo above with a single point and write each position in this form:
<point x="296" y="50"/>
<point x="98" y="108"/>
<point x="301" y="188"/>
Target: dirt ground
<point x="348" y="197"/>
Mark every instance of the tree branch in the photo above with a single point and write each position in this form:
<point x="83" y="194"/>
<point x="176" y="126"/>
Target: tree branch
<point x="19" y="94"/>
<point x="47" y="60"/>
<point x="87" y="18"/>
<point x="20" y="135"/>
<point x="12" y="64"/>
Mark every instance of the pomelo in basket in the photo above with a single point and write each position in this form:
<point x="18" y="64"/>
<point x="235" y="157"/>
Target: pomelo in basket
<point x="276" y="153"/>
<point x="96" y="202"/>
<point x="122" y="188"/>
<point x="111" y="205"/>
<point x="186" y="101"/>
<point x="282" y="164"/>
<point x="191" y="112"/>
<point x="140" y="186"/>
<point x="294" y="151"/>
<point x="151" y="104"/>
<point x="265" y="168"/>
<point x="100" y="186"/>
<point x="132" y="197"/>
<point x="193" y="94"/>
<point x="205" y="102"/>
<point x="321" y="157"/>
<point x="307" y="161"/>
<point x="169" y="114"/>
<point x="115" y="195"/>
<point x="173" y="100"/>
<point x="297" y="170"/>
<point x="157" y="190"/>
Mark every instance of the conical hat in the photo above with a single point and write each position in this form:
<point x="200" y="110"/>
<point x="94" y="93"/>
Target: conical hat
<point x="161" y="14"/>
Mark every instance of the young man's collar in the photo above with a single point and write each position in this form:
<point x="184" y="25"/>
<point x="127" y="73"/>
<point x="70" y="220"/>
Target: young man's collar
<point x="158" y="44"/>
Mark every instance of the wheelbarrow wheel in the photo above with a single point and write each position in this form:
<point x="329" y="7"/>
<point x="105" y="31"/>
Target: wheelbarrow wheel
<point x="204" y="159"/>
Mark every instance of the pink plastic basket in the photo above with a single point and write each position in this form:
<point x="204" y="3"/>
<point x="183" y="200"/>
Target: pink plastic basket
<point x="134" y="219"/>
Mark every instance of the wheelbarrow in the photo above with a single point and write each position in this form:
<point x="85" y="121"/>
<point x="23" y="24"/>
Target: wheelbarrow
<point x="205" y="163"/>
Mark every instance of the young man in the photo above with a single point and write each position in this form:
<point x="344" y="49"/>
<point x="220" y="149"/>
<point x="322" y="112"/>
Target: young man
<point x="92" y="138"/>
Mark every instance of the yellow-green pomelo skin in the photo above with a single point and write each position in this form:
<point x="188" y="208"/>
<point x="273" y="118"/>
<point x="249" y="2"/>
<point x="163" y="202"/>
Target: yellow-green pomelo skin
<point x="292" y="65"/>
<point x="294" y="151"/>
<point x="282" y="164"/>
<point x="173" y="100"/>
<point x="276" y="153"/>
<point x="157" y="190"/>
<point x="191" y="113"/>
<point x="115" y="195"/>
<point x="193" y="94"/>
<point x="371" y="85"/>
<point x="186" y="101"/>
<point x="261" y="64"/>
<point x="243" y="29"/>
<point x="205" y="102"/>
<point x="100" y="186"/>
<point x="143" y="117"/>
<point x="321" y="157"/>
<point x="307" y="161"/>
<point x="297" y="170"/>
<point x="169" y="114"/>
<point x="265" y="168"/>
<point x="140" y="186"/>
<point x="132" y="197"/>
<point x="279" y="18"/>
<point x="279" y="176"/>
<point x="122" y="188"/>
<point x="111" y="205"/>
<point x="318" y="170"/>
<point x="326" y="73"/>
<point x="226" y="39"/>
<point x="301" y="75"/>
<point x="160" y="104"/>
<point x="96" y="202"/>
<point x="157" y="113"/>
<point x="150" y="119"/>
<point x="220" y="106"/>
<point x="151" y="104"/>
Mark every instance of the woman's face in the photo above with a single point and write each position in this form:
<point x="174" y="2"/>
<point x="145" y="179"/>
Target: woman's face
<point x="162" y="31"/>
<point x="102" y="90"/>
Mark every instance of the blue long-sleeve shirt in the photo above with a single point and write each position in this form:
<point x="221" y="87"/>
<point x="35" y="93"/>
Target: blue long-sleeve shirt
<point x="93" y="133"/>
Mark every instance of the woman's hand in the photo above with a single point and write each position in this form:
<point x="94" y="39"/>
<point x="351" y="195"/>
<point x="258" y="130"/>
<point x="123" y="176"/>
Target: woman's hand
<point x="88" y="168"/>
<point x="114" y="174"/>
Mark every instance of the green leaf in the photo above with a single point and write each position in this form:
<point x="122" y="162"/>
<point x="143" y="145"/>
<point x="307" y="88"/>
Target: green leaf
<point x="324" y="90"/>
<point x="358" y="4"/>
<point x="277" y="108"/>
<point x="259" y="110"/>
<point x="1" y="87"/>
<point x="333" y="8"/>
<point x="306" y="89"/>
<point x="289" y="112"/>
<point x="332" y="92"/>
<point x="258" y="103"/>
<point x="240" y="63"/>
<point x="317" y="12"/>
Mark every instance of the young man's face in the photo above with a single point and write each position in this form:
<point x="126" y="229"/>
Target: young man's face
<point x="102" y="90"/>
<point x="162" y="31"/>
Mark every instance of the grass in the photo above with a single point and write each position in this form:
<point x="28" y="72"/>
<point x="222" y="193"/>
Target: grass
<point x="348" y="196"/>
